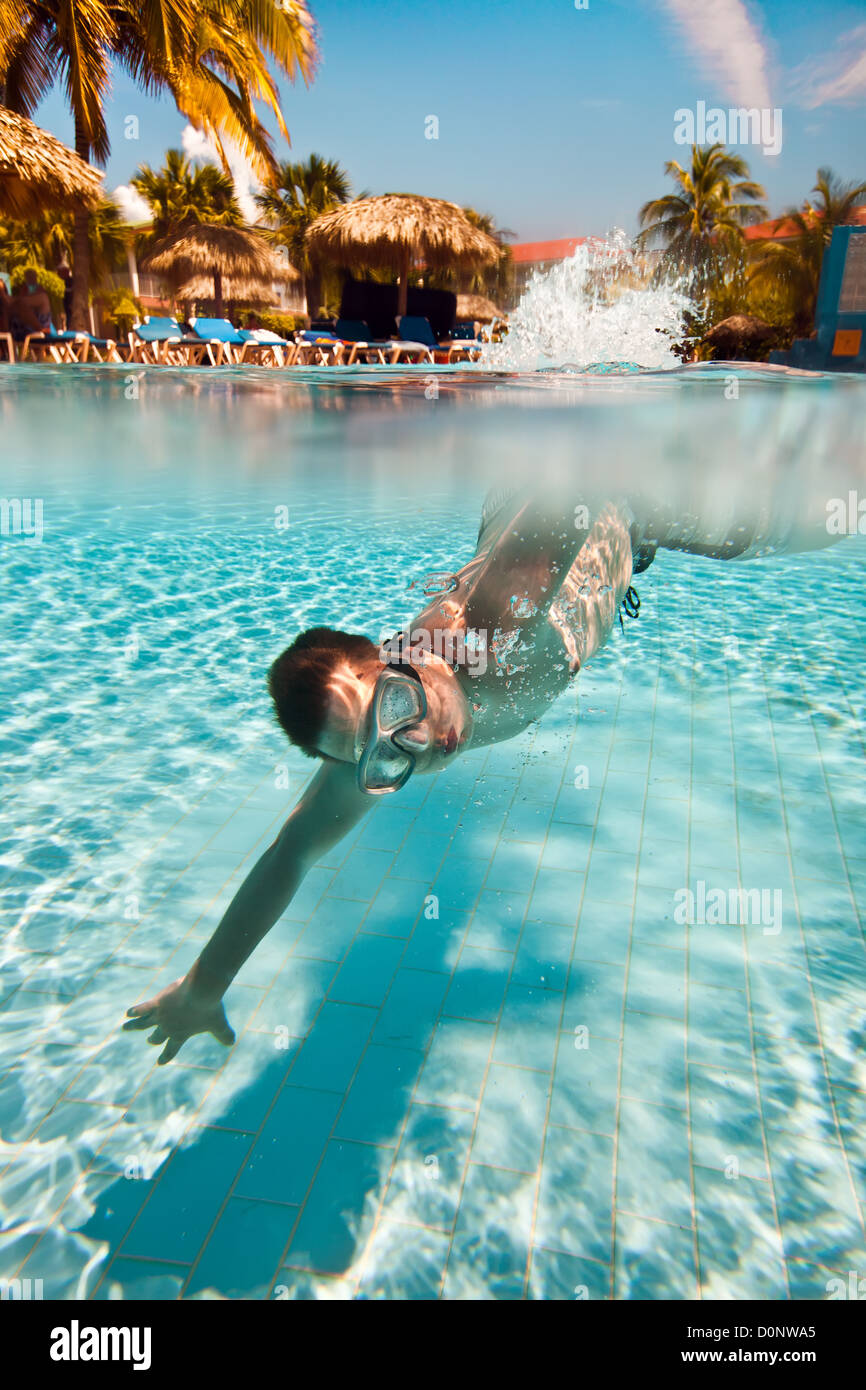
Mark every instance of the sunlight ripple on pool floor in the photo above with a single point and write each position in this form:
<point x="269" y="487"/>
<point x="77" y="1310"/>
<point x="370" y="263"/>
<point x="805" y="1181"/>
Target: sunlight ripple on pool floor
<point x="554" y="1089"/>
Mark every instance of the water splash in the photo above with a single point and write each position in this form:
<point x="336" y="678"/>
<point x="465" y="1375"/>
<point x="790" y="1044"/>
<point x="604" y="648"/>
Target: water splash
<point x="433" y="584"/>
<point x="595" y="310"/>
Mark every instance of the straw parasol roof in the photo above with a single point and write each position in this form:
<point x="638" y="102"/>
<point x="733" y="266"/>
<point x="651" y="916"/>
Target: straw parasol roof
<point x="37" y="170"/>
<point x="394" y="229"/>
<point x="235" y="288"/>
<point x="738" y="332"/>
<point x="475" y="306"/>
<point x="206" y="248"/>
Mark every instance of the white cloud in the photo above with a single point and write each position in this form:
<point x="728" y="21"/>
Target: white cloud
<point x="838" y="78"/>
<point x="724" y="37"/>
<point x="133" y="207"/>
<point x="196" y="145"/>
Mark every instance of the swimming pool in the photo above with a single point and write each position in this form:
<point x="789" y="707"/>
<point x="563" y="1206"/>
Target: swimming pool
<point x="553" y="1088"/>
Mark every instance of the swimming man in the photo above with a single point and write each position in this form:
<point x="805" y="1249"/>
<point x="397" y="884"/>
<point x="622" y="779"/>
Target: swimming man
<point x="496" y="645"/>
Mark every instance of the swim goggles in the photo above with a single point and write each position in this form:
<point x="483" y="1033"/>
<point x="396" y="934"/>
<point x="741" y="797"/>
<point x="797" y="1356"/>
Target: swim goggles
<point x="398" y="702"/>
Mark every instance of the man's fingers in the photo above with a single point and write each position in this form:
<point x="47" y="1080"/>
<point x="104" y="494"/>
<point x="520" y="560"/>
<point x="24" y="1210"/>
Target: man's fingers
<point x="171" y="1049"/>
<point x="144" y="1020"/>
<point x="158" y="1036"/>
<point x="224" y="1034"/>
<point x="139" y="1010"/>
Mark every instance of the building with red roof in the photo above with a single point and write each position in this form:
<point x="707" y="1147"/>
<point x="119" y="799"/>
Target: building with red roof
<point x="531" y="256"/>
<point x="785" y="229"/>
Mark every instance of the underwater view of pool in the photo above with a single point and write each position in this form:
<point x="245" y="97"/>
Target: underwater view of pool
<point x="483" y="1053"/>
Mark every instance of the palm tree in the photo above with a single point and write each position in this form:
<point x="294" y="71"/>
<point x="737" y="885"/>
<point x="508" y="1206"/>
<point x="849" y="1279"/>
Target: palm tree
<point x="211" y="55"/>
<point x="107" y="241"/>
<point x="293" y="199"/>
<point x="702" y="223"/>
<point x="47" y="240"/>
<point x="792" y="268"/>
<point x="182" y="193"/>
<point x="39" y="241"/>
<point x="493" y="280"/>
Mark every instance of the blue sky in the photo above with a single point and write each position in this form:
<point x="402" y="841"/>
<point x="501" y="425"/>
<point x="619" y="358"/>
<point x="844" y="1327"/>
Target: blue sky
<point x="556" y="120"/>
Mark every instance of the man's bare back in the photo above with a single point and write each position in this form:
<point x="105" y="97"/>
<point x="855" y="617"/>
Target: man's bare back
<point x="537" y="621"/>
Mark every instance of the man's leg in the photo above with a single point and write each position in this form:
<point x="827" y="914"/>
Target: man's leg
<point x="724" y="535"/>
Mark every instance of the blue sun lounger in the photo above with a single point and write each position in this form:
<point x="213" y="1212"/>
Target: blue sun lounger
<point x="463" y="338"/>
<point x="313" y="344"/>
<point x="68" y="345"/>
<point x="355" y="335"/>
<point x="236" y="345"/>
<point x="419" y="330"/>
<point x="261" y="344"/>
<point x="222" y="336"/>
<point x="160" y="339"/>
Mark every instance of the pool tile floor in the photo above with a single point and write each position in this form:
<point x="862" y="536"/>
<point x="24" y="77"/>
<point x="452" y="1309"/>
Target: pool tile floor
<point x="480" y="1056"/>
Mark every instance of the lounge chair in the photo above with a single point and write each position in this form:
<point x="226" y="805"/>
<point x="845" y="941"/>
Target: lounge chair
<point x="236" y="345"/>
<point x="419" y="331"/>
<point x="161" y="340"/>
<point x="10" y="345"/>
<point x="417" y="340"/>
<point x="465" y="340"/>
<point x="226" y="340"/>
<point x="315" y="346"/>
<point x="69" y="346"/>
<point x="267" y="348"/>
<point x="356" y="337"/>
<point x="222" y="336"/>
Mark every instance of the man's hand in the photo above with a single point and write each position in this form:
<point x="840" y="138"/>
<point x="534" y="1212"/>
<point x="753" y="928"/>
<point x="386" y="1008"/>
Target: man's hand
<point x="177" y="1013"/>
<point x="331" y="805"/>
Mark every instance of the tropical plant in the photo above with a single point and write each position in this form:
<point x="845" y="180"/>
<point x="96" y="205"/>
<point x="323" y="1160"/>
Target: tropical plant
<point x="495" y="281"/>
<point x="38" y="241"/>
<point x="790" y="270"/>
<point x="701" y="225"/>
<point x="181" y="194"/>
<point x="48" y="240"/>
<point x="212" y="56"/>
<point x="296" y="195"/>
<point x="123" y="309"/>
<point x="283" y="324"/>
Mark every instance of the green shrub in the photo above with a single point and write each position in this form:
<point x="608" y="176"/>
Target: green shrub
<point x="283" y="324"/>
<point x="51" y="283"/>
<point x="123" y="309"/>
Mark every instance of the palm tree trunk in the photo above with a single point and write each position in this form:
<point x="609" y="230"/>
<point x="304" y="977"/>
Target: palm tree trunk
<point x="313" y="290"/>
<point x="80" y="248"/>
<point x="403" y="282"/>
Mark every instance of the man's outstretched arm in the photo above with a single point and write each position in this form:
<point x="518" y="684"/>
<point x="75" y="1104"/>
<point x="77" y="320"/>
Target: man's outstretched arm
<point x="330" y="807"/>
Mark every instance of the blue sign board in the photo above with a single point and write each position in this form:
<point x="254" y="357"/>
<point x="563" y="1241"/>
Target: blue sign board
<point x="839" y="344"/>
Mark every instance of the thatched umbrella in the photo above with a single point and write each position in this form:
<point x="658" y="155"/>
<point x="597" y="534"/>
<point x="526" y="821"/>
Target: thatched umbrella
<point x="739" y="333"/>
<point x="476" y="307"/>
<point x="216" y="251"/>
<point x="396" y="228"/>
<point x="235" y="290"/>
<point x="38" y="171"/>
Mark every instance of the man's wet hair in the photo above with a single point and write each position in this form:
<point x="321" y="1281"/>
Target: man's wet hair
<point x="298" y="681"/>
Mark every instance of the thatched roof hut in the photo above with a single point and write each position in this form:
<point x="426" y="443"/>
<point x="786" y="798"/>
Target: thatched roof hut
<point x="220" y="253"/>
<point x="476" y="307"/>
<point x="394" y="229"/>
<point x="37" y="171"/>
<point x="740" y="333"/>
<point x="236" y="289"/>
